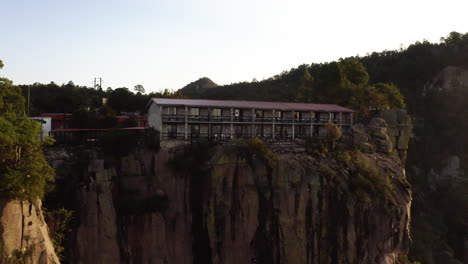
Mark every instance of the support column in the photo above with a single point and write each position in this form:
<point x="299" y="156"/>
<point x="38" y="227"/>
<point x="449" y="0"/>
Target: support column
<point x="186" y="122"/>
<point x="209" y="123"/>
<point x="312" y="117"/>
<point x="232" y="122"/>
<point x="273" y="125"/>
<point x="293" y="122"/>
<point x="252" y="132"/>
<point x="341" y="120"/>
<point x="161" y="128"/>
<point x="351" y="114"/>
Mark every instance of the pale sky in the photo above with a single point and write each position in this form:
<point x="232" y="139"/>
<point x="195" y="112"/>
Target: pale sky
<point x="169" y="43"/>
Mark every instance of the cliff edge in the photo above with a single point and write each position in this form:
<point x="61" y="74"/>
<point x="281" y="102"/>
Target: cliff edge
<point x="242" y="202"/>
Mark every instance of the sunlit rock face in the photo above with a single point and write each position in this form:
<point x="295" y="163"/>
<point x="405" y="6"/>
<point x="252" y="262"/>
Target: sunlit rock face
<point x="223" y="205"/>
<point x="24" y="234"/>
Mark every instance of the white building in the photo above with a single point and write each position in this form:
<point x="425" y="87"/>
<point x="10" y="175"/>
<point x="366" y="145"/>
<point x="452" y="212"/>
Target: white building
<point x="46" y="124"/>
<point x="221" y="119"/>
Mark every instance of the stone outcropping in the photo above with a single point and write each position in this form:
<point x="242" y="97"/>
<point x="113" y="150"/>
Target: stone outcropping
<point x="388" y="133"/>
<point x="24" y="234"/>
<point x="224" y="205"/>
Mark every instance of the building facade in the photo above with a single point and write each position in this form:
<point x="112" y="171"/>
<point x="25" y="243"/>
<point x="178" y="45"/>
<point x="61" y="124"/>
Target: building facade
<point x="188" y="119"/>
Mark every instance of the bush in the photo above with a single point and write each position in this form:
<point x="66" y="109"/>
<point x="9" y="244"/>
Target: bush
<point x="345" y="157"/>
<point x="24" y="172"/>
<point x="152" y="139"/>
<point x="367" y="181"/>
<point x="119" y="143"/>
<point x="193" y="156"/>
<point x="314" y="145"/>
<point x="257" y="147"/>
<point x="326" y="170"/>
<point x="58" y="221"/>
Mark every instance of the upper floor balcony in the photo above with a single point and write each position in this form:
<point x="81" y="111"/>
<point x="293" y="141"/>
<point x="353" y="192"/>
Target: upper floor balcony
<point x="249" y="119"/>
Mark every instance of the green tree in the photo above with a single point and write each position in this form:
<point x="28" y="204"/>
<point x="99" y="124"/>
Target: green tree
<point x="305" y="88"/>
<point x="354" y="71"/>
<point x="122" y="99"/>
<point x="24" y="173"/>
<point x="139" y="89"/>
<point x="393" y="97"/>
<point x="333" y="133"/>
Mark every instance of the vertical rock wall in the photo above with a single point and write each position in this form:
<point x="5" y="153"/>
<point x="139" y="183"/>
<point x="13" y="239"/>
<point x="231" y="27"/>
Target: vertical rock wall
<point x="171" y="207"/>
<point x="24" y="234"/>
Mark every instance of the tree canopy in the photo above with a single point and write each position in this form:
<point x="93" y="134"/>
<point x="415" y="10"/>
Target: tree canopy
<point x="344" y="82"/>
<point x="24" y="173"/>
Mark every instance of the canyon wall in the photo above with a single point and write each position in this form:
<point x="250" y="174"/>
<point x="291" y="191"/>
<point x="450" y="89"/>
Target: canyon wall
<point x="302" y="203"/>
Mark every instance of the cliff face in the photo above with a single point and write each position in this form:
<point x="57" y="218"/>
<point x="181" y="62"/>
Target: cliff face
<point x="24" y="234"/>
<point x="436" y="168"/>
<point x="224" y="204"/>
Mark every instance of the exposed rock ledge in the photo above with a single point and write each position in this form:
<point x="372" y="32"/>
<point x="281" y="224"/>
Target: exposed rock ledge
<point x="24" y="234"/>
<point x="232" y="208"/>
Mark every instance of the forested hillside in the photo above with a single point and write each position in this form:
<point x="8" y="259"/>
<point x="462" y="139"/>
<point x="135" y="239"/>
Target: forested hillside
<point x="67" y="98"/>
<point x="440" y="210"/>
<point x="414" y="77"/>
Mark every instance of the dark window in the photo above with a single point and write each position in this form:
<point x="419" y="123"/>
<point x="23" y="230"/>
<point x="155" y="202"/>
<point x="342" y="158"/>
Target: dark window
<point x="259" y="113"/>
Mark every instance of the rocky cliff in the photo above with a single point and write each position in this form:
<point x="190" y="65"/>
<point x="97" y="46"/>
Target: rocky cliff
<point x="24" y="234"/>
<point x="244" y="203"/>
<point x="436" y="168"/>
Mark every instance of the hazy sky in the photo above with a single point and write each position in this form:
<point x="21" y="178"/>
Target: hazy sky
<point x="169" y="43"/>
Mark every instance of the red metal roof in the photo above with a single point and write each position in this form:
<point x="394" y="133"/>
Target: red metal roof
<point x="96" y="129"/>
<point x="57" y="116"/>
<point x="251" y="104"/>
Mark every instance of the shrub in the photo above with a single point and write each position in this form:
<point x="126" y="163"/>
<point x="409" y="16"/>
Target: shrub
<point x="152" y="139"/>
<point x="118" y="142"/>
<point x="58" y="221"/>
<point x="326" y="170"/>
<point x="333" y="133"/>
<point x="257" y="147"/>
<point x="367" y="181"/>
<point x="345" y="157"/>
<point x="314" y="145"/>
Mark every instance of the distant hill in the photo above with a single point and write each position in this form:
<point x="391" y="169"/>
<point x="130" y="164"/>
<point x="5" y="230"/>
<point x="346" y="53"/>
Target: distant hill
<point x="198" y="87"/>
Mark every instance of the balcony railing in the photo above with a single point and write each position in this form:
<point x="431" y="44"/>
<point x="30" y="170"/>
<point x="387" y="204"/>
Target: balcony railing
<point x="173" y="135"/>
<point x="173" y="118"/>
<point x="248" y="119"/>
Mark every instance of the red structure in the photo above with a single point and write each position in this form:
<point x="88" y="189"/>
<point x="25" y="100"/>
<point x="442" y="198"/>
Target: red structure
<point x="59" y="120"/>
<point x="142" y="121"/>
<point x="76" y="136"/>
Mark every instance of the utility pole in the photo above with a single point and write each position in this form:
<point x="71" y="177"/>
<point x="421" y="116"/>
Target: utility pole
<point x="96" y="85"/>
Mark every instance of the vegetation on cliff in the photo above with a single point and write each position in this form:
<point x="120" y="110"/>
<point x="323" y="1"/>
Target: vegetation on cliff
<point x="24" y="173"/>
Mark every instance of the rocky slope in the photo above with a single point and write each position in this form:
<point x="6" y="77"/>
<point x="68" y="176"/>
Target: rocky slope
<point x="436" y="163"/>
<point x="242" y="203"/>
<point x="24" y="234"/>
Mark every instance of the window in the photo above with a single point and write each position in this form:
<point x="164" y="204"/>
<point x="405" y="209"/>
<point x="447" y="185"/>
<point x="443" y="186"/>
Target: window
<point x="194" y="111"/>
<point x="216" y="112"/>
<point x="195" y="130"/>
<point x="171" y="131"/>
<point x="334" y="116"/>
<point x="170" y="110"/>
<point x="279" y="114"/>
<point x="259" y="113"/>
<point x="297" y="115"/>
<point x="236" y="112"/>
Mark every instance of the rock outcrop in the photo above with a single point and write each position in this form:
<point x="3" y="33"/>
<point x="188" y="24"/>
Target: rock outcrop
<point x="229" y="204"/>
<point x="24" y="234"/>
